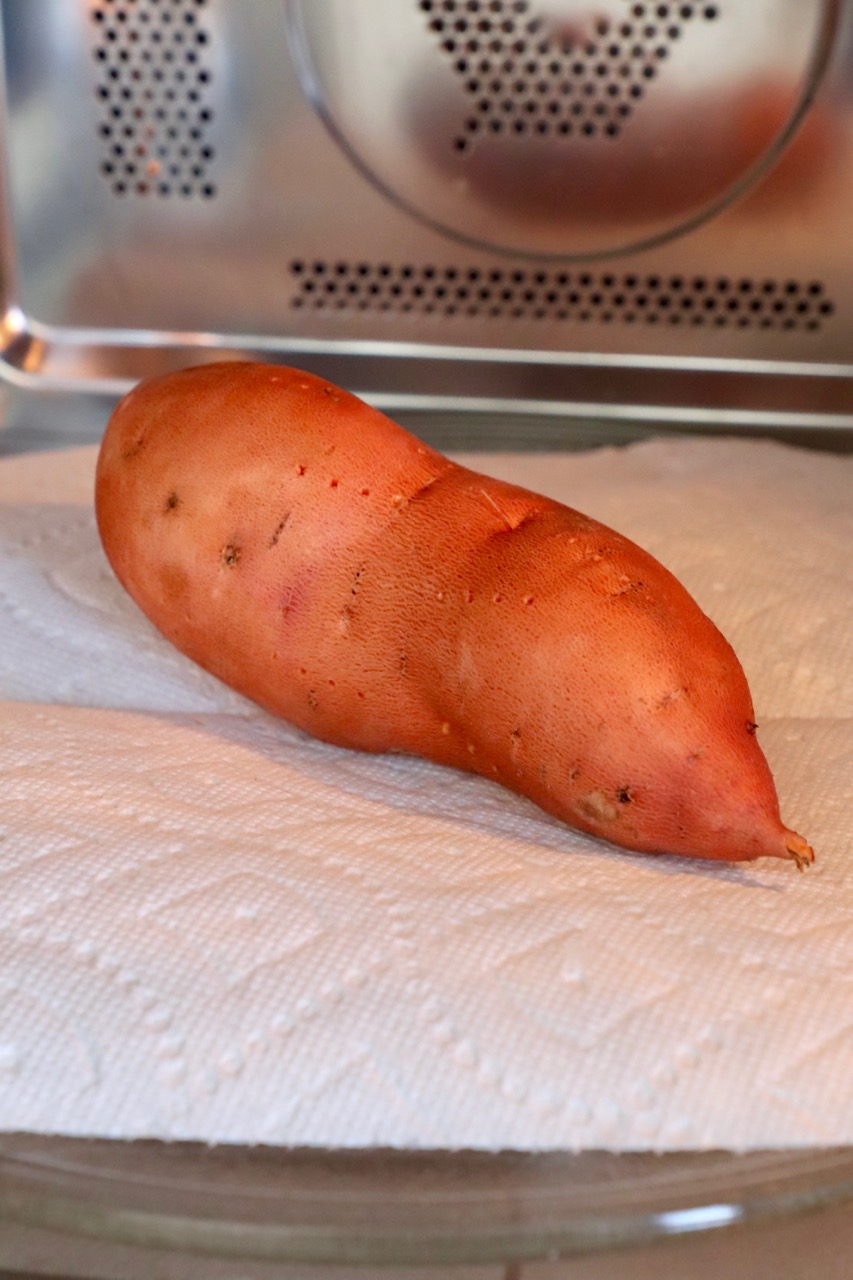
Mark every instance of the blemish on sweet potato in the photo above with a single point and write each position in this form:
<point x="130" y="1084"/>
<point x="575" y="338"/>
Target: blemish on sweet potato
<point x="597" y="806"/>
<point x="624" y="795"/>
<point x="402" y="501"/>
<point x="624" y="585"/>
<point x="312" y="700"/>
<point x="279" y="529"/>
<point x="172" y="501"/>
<point x="133" y="448"/>
<point x="287" y="602"/>
<point x="173" y="581"/>
<point x="230" y="555"/>
<point x="672" y="696"/>
<point x="751" y="726"/>
<point x="497" y="509"/>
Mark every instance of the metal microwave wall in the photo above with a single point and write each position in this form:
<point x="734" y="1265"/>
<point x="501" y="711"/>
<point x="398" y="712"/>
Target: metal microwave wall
<point x="478" y="202"/>
<point x="152" y="87"/>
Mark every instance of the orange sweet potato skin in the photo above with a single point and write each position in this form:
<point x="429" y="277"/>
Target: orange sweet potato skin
<point x="328" y="565"/>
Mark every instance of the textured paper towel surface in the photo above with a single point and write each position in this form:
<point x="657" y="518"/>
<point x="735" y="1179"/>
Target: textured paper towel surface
<point x="214" y="927"/>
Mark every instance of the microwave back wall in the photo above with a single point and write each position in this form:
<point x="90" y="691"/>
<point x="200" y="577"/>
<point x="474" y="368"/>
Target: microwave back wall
<point x="623" y="209"/>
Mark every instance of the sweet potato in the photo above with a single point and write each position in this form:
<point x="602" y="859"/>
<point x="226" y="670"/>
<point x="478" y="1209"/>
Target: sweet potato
<point x="324" y="562"/>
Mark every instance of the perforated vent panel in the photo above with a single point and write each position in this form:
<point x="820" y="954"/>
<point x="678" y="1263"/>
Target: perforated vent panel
<point x="153" y="87"/>
<point x="585" y="297"/>
<point x="526" y="76"/>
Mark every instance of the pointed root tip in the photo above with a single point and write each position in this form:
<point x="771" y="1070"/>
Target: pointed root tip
<point x="798" y="850"/>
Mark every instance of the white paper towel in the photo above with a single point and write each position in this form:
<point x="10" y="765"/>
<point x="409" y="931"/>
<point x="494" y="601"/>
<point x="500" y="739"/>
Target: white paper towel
<point x="213" y="927"/>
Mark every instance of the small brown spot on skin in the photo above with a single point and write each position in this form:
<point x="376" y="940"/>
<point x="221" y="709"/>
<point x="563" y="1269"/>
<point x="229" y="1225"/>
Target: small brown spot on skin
<point x="231" y="555"/>
<point x="312" y="700"/>
<point x="332" y="393"/>
<point x="624" y="795"/>
<point x="751" y="726"/>
<point x="171" y="502"/>
<point x="402" y="664"/>
<point x="527" y="600"/>
<point x="574" y="773"/>
<point x="515" y="738"/>
<point x="333" y="484"/>
<point x="365" y="493"/>
<point x="469" y="597"/>
<point x="133" y="448"/>
<point x="300" y="470"/>
<point x="287" y="602"/>
<point x="671" y="697"/>
<point x="497" y="598"/>
<point x="697" y="754"/>
<point x="173" y="582"/>
<point x="279" y="529"/>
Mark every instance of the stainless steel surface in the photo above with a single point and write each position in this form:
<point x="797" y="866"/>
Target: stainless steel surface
<point x="569" y="130"/>
<point x="441" y="203"/>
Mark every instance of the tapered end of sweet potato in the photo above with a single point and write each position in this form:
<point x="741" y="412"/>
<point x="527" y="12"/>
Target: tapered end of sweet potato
<point x="798" y="850"/>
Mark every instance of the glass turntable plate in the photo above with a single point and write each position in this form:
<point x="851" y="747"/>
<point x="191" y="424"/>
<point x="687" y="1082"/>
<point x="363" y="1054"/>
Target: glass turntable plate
<point x="387" y="1208"/>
